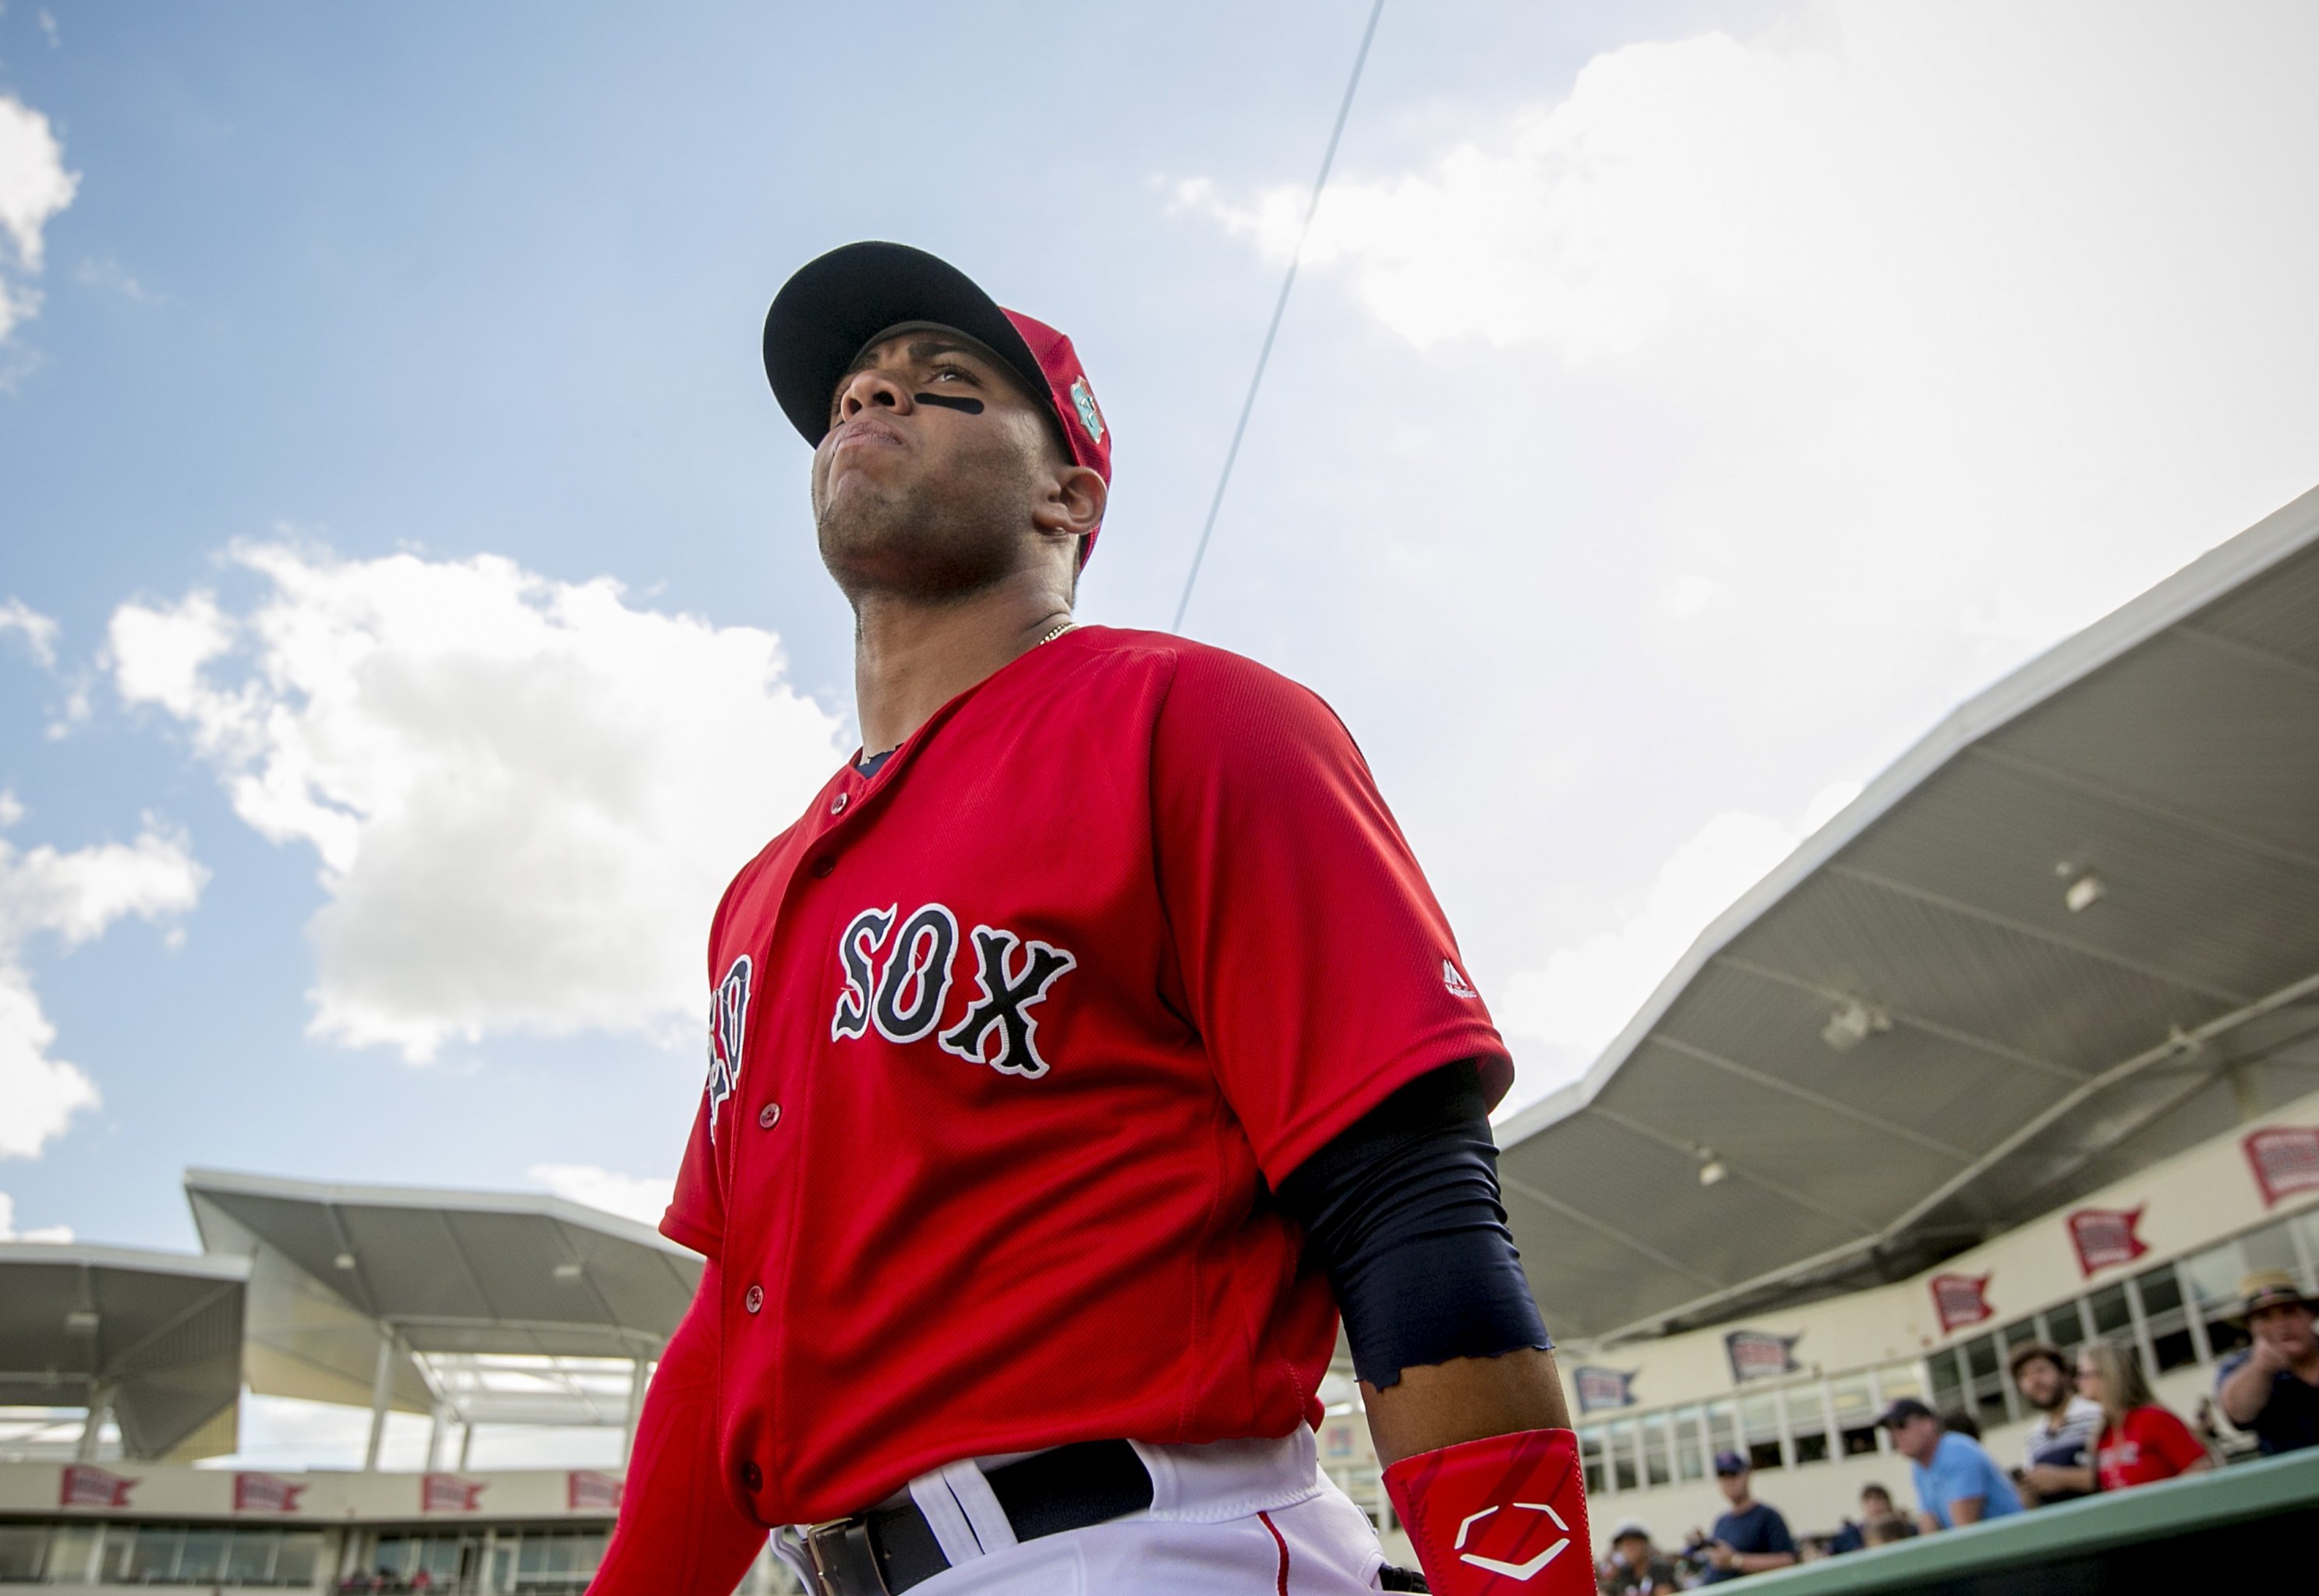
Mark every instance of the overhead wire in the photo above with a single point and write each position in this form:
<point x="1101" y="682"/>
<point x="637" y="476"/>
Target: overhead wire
<point x="1279" y="308"/>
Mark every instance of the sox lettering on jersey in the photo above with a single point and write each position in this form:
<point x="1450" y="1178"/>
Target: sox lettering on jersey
<point x="916" y="982"/>
<point x="998" y="1014"/>
<point x="728" y="1024"/>
<point x="857" y="949"/>
<point x="903" y="996"/>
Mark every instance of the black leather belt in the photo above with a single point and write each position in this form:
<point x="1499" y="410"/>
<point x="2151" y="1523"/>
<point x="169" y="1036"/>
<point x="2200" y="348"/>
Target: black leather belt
<point x="887" y="1550"/>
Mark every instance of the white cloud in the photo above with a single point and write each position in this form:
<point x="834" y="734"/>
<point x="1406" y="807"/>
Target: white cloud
<point x="38" y="631"/>
<point x="638" y="1197"/>
<point x="110" y="275"/>
<point x="1982" y="301"/>
<point x="9" y="1232"/>
<point x="525" y="794"/>
<point x="73" y="896"/>
<point x="1585" y="993"/>
<point x="1789" y="389"/>
<point x="34" y="187"/>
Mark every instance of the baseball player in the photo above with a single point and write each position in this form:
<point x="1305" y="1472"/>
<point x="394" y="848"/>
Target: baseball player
<point x="1089" y="1045"/>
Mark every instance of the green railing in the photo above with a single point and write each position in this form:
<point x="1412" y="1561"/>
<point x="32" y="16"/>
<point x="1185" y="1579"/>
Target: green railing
<point x="2230" y="1525"/>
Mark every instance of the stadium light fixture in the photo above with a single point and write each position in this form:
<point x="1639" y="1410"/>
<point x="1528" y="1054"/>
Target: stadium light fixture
<point x="1853" y="1023"/>
<point x="1711" y="1170"/>
<point x="567" y="1273"/>
<point x="2084" y="892"/>
<point x="345" y="1260"/>
<point x="81" y="1322"/>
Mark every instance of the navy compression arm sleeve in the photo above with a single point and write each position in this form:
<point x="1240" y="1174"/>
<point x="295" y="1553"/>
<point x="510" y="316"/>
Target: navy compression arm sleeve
<point x="1402" y="1210"/>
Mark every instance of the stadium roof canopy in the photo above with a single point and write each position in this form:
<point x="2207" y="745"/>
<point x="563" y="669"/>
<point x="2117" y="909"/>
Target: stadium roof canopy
<point x="446" y="1275"/>
<point x="154" y="1336"/>
<point x="2073" y="931"/>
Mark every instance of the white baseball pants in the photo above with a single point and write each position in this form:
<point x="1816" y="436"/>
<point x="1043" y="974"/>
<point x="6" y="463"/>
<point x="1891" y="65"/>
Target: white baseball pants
<point x="1229" y="1518"/>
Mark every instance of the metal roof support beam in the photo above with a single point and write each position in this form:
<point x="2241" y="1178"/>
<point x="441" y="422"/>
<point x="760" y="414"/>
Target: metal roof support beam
<point x="1611" y="1232"/>
<point x="2243" y="1089"/>
<point x="1912" y="1021"/>
<point x="1773" y="1083"/>
<point x="635" y="1410"/>
<point x="2173" y="1047"/>
<point x="1853" y="872"/>
<point x="381" y="1390"/>
<point x="1761" y="1182"/>
<point x="92" y="1429"/>
<point x="466" y="1264"/>
<point x="2293" y="993"/>
<point x="422" y="1323"/>
<point x="2248" y="651"/>
<point x="2132" y="803"/>
<point x="191" y="1310"/>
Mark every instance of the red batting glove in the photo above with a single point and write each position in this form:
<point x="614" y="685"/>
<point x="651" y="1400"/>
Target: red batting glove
<point x="1501" y="1517"/>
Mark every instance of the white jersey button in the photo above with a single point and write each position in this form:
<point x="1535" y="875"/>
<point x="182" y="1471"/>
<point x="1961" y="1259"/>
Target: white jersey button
<point x="769" y="1116"/>
<point x="837" y="805"/>
<point x="755" y="1299"/>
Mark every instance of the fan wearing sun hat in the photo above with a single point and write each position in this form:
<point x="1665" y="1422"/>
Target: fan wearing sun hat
<point x="2270" y="1389"/>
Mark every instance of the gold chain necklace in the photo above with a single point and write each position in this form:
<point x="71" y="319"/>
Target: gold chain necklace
<point x="1058" y="632"/>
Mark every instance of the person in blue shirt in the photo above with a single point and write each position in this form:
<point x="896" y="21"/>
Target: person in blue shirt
<point x="1752" y="1537"/>
<point x="1957" y="1483"/>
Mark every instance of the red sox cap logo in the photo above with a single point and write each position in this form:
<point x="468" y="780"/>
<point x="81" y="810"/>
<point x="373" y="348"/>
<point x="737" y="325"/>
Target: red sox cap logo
<point x="904" y="997"/>
<point x="728" y="1025"/>
<point x="1526" y="1570"/>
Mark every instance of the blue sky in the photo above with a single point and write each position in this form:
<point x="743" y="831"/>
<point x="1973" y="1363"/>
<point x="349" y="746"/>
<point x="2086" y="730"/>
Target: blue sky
<point x="1682" y="406"/>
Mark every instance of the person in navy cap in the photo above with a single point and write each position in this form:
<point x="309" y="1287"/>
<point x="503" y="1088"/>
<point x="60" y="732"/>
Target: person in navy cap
<point x="1751" y="1538"/>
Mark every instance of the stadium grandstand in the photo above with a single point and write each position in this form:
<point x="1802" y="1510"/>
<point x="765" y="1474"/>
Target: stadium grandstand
<point x="2022" y="1046"/>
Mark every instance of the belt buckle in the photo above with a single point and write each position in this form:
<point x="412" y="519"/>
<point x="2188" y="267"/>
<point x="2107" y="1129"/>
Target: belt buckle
<point x="843" y="1563"/>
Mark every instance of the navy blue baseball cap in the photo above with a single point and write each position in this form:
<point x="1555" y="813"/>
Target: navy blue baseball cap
<point x="833" y="307"/>
<point x="1903" y="1410"/>
<point x="1729" y="1463"/>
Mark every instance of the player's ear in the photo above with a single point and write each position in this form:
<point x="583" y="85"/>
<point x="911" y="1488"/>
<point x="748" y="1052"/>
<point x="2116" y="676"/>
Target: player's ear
<point x="1072" y="506"/>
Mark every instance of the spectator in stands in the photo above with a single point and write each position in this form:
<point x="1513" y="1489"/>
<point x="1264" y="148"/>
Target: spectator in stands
<point x="2140" y="1442"/>
<point x="2271" y="1388"/>
<point x="1883" y="1531"/>
<point x="2057" y="1459"/>
<point x="1957" y="1481"/>
<point x="1633" y="1568"/>
<point x="1875" y="1503"/>
<point x="1751" y="1536"/>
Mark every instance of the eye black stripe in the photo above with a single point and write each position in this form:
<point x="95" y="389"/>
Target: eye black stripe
<point x="972" y="406"/>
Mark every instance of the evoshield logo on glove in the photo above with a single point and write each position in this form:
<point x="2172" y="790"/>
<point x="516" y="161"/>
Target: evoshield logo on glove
<point x="1519" y="1503"/>
<point x="1520" y="1571"/>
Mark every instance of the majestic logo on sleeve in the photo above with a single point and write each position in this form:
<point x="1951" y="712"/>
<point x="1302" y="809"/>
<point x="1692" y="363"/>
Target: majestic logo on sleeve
<point x="729" y="1026"/>
<point x="899" y="981"/>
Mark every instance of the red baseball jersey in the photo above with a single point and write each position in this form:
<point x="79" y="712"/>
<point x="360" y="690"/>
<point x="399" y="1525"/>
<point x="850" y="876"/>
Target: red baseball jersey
<point x="1010" y="1041"/>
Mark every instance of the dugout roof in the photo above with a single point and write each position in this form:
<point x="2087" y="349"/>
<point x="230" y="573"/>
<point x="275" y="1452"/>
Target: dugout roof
<point x="444" y="1272"/>
<point x="158" y="1334"/>
<point x="1924" y="1028"/>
